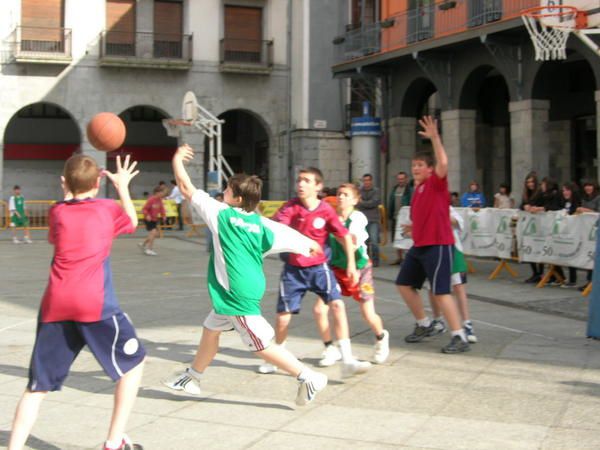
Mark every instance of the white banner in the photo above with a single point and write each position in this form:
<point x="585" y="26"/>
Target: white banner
<point x="556" y="238"/>
<point x="400" y="240"/>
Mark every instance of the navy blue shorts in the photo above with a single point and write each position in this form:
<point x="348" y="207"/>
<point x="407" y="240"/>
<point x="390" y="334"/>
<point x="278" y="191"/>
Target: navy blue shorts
<point x="112" y="341"/>
<point x="432" y="262"/>
<point x="296" y="281"/>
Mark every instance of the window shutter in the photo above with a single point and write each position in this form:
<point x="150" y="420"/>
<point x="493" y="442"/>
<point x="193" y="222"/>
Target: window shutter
<point x="42" y="20"/>
<point x="243" y="33"/>
<point x="120" y="21"/>
<point x="168" y="20"/>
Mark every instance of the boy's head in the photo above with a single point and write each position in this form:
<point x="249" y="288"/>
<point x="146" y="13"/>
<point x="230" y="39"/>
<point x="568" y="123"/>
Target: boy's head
<point x="159" y="191"/>
<point x="17" y="189"/>
<point x="81" y="174"/>
<point x="422" y="166"/>
<point x="309" y="183"/>
<point x="243" y="191"/>
<point x="348" y="195"/>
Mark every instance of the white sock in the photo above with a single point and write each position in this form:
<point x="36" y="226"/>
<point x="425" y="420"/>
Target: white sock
<point x="194" y="373"/>
<point x="460" y="333"/>
<point x="303" y="375"/>
<point x="439" y="318"/>
<point x="424" y="322"/>
<point x="113" y="444"/>
<point x="346" y="350"/>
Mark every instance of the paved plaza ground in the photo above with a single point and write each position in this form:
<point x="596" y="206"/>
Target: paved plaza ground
<point x="532" y="382"/>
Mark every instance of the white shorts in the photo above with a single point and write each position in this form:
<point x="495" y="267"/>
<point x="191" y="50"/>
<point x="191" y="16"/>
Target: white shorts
<point x="255" y="331"/>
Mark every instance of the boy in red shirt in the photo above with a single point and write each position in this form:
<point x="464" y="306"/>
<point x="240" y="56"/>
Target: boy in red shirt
<point x="315" y="219"/>
<point x="432" y="254"/>
<point x="153" y="211"/>
<point x="79" y="306"/>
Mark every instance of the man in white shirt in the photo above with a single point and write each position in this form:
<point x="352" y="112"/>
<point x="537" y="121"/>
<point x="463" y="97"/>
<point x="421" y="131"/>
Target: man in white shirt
<point x="176" y="195"/>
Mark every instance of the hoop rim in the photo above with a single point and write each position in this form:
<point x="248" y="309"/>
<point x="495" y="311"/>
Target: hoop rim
<point x="535" y="13"/>
<point x="178" y="122"/>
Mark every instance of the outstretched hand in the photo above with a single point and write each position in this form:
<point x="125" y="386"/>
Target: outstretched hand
<point x="430" y="128"/>
<point x="185" y="153"/>
<point x="124" y="174"/>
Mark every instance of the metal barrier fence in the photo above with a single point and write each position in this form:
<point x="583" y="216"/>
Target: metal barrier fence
<point x="37" y="212"/>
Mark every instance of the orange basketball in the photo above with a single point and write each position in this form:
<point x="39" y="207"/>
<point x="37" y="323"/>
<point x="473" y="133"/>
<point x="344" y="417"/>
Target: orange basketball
<point x="106" y="131"/>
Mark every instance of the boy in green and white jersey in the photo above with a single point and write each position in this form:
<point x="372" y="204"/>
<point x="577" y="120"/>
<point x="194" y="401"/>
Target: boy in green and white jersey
<point x="236" y="282"/>
<point x="18" y="218"/>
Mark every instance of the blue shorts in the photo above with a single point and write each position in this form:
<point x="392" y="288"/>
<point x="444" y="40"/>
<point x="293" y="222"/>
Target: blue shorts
<point x="296" y="281"/>
<point x="112" y="341"/>
<point x="432" y="262"/>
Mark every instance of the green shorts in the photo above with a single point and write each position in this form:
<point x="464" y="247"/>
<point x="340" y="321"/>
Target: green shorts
<point x="459" y="264"/>
<point x="19" y="221"/>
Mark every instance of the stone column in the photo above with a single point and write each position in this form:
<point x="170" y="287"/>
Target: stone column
<point x="402" y="144"/>
<point x="458" y="128"/>
<point x="597" y="135"/>
<point x="529" y="140"/>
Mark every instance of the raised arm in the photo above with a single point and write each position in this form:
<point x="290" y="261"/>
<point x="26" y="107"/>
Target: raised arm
<point x="183" y="154"/>
<point x="121" y="179"/>
<point x="430" y="131"/>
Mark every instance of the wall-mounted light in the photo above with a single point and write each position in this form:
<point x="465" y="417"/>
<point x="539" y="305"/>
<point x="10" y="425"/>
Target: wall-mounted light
<point x="387" y="23"/>
<point x="338" y="40"/>
<point x="445" y="6"/>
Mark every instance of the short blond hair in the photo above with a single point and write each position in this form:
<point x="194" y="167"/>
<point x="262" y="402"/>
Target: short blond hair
<point x="352" y="187"/>
<point x="81" y="173"/>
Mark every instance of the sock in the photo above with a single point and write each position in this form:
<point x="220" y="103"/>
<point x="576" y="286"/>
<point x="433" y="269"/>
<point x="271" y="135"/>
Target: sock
<point x="113" y="444"/>
<point x="328" y="343"/>
<point x="426" y="322"/>
<point x="380" y="337"/>
<point x="346" y="350"/>
<point x="303" y="375"/>
<point x="468" y="323"/>
<point x="194" y="373"/>
<point x="460" y="333"/>
<point x="438" y="319"/>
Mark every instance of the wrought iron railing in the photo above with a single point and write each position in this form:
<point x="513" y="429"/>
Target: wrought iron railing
<point x="429" y="21"/>
<point x="142" y="45"/>
<point x="41" y="42"/>
<point x="246" y="52"/>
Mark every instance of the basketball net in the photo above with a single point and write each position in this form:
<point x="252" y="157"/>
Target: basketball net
<point x="549" y="27"/>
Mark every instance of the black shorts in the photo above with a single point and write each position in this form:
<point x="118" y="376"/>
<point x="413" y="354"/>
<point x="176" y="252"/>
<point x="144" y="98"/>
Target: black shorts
<point x="432" y="262"/>
<point x="112" y="341"/>
<point x="151" y="224"/>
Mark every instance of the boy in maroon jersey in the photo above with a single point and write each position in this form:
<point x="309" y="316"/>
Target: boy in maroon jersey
<point x="316" y="219"/>
<point x="154" y="211"/>
<point x="79" y="306"/>
<point x="432" y="254"/>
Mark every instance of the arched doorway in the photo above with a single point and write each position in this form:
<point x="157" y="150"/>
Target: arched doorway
<point x="485" y="91"/>
<point x="38" y="139"/>
<point x="245" y="141"/>
<point x="149" y="144"/>
<point x="569" y="86"/>
<point x="421" y="98"/>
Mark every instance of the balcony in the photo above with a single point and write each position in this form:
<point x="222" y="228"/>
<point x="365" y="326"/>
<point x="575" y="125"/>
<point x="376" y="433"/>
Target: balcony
<point x="246" y="56"/>
<point x="42" y="45"/>
<point x="145" y="50"/>
<point x="453" y="19"/>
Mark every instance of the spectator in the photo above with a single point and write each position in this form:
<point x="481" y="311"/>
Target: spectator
<point x="176" y="195"/>
<point x="369" y="206"/>
<point x="503" y="199"/>
<point x="532" y="197"/>
<point x="570" y="202"/>
<point x="473" y="198"/>
<point x="399" y="197"/>
<point x="590" y="200"/>
<point x="455" y="200"/>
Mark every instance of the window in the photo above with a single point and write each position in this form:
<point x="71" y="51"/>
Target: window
<point x="168" y="29"/>
<point x="120" y="27"/>
<point x="41" y="25"/>
<point x="243" y="34"/>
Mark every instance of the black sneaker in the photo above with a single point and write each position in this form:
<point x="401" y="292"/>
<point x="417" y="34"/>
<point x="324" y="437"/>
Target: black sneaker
<point x="419" y="333"/>
<point x="533" y="279"/>
<point x="456" y="345"/>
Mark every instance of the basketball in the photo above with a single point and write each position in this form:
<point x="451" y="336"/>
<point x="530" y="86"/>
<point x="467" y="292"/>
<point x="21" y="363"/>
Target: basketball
<point x="106" y="131"/>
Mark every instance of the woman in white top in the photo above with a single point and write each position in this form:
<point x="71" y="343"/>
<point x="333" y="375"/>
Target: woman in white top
<point x="503" y="199"/>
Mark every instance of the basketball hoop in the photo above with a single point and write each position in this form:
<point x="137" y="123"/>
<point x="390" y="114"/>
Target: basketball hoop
<point x="175" y="127"/>
<point x="549" y="27"/>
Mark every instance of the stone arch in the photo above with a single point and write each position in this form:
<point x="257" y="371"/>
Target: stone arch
<point x="415" y="96"/>
<point x="37" y="140"/>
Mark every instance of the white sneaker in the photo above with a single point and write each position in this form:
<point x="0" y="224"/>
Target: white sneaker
<point x="267" y="368"/>
<point x="150" y="252"/>
<point x="381" y="349"/>
<point x="308" y="388"/>
<point x="27" y="240"/>
<point x="16" y="241"/>
<point x="354" y="368"/>
<point x="183" y="381"/>
<point x="330" y="356"/>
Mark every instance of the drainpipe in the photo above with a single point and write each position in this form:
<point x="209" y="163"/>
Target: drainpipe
<point x="289" y="124"/>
